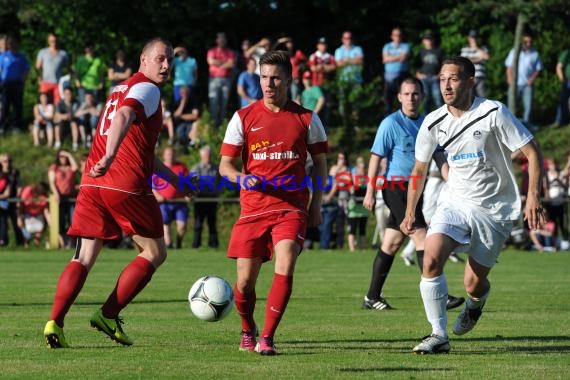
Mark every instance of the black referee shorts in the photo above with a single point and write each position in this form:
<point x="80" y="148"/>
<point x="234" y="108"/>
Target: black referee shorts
<point x="396" y="199"/>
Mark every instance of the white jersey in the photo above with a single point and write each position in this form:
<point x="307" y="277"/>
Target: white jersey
<point x="478" y="146"/>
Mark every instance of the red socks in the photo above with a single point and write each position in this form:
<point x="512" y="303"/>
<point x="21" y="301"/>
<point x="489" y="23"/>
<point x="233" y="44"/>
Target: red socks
<point x="277" y="300"/>
<point x="245" y="305"/>
<point x="68" y="287"/>
<point x="131" y="281"/>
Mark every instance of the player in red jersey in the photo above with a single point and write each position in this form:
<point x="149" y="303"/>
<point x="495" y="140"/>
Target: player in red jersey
<point x="115" y="196"/>
<point x="272" y="136"/>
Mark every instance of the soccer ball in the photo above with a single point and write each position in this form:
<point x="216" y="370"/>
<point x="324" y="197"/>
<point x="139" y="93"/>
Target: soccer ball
<point x="211" y="298"/>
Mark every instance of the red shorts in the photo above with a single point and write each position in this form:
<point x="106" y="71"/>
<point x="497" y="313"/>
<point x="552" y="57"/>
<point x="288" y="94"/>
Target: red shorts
<point x="103" y="213"/>
<point x="51" y="89"/>
<point x="256" y="236"/>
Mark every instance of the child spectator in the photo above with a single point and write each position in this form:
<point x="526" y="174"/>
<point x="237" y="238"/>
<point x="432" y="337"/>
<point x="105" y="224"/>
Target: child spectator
<point x="44" y="113"/>
<point x="34" y="212"/>
<point x="61" y="176"/>
<point x="87" y="116"/>
<point x="357" y="214"/>
<point x="65" y="118"/>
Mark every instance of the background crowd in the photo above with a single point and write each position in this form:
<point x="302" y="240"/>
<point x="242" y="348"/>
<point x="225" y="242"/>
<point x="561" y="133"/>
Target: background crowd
<point x="327" y="79"/>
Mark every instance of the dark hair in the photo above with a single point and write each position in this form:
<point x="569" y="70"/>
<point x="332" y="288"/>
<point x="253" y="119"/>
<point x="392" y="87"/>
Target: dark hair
<point x="278" y="58"/>
<point x="411" y="80"/>
<point x="466" y="66"/>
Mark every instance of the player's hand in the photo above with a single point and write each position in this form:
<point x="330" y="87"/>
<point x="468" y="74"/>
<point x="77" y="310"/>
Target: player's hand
<point x="407" y="226"/>
<point x="369" y="201"/>
<point x="101" y="167"/>
<point x="251" y="182"/>
<point x="534" y="213"/>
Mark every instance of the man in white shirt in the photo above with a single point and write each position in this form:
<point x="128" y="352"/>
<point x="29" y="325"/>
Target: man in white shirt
<point x="478" y="203"/>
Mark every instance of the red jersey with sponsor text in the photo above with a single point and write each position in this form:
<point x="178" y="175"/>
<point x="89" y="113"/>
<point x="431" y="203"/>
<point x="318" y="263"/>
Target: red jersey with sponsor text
<point x="134" y="162"/>
<point x="273" y="146"/>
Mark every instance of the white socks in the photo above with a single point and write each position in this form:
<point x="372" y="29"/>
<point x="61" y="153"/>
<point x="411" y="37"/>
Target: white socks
<point x="434" y="296"/>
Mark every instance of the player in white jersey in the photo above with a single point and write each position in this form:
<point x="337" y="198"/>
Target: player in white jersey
<point x="480" y="200"/>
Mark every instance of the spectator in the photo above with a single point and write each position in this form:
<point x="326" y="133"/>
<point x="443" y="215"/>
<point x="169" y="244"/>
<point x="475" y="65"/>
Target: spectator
<point x="89" y="73"/>
<point x="10" y="187"/>
<point x="529" y="68"/>
<point x="65" y="119"/>
<point x="242" y="56"/>
<point x="544" y="239"/>
<point x="396" y="59"/>
<point x="119" y="70"/>
<point x="322" y="65"/>
<point x="349" y="59"/>
<point x="357" y="214"/>
<point x="185" y="72"/>
<point x="34" y="212"/>
<point x="167" y="121"/>
<point x="44" y="113"/>
<point x="87" y="116"/>
<point x="429" y="61"/>
<point x="50" y="64"/>
<point x="221" y="61"/>
<point x="61" y="175"/>
<point x="186" y="120"/>
<point x="257" y="50"/>
<point x="248" y="87"/>
<point x="14" y="68"/>
<point x="478" y="55"/>
<point x="298" y="61"/>
<point x="312" y="97"/>
<point x="173" y="204"/>
<point x="208" y="211"/>
<point x="340" y="173"/>
<point x="556" y="195"/>
<point x="563" y="74"/>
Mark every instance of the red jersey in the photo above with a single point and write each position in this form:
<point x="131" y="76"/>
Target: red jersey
<point x="170" y="191"/>
<point x="223" y="54"/>
<point x="134" y="162"/>
<point x="64" y="180"/>
<point x="273" y="147"/>
<point x="33" y="205"/>
<point x="318" y="58"/>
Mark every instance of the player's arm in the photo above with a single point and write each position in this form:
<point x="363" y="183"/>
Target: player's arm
<point x="534" y="213"/>
<point x="318" y="174"/>
<point x="120" y="125"/>
<point x="415" y="190"/>
<point x="370" y="197"/>
<point x="228" y="169"/>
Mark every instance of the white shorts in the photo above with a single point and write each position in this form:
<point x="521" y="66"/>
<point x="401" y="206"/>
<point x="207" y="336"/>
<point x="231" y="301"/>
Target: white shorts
<point x="481" y="236"/>
<point x="34" y="223"/>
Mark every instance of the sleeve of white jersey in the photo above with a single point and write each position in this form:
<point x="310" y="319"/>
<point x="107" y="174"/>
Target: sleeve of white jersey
<point x="425" y="144"/>
<point x="510" y="131"/>
<point x="317" y="132"/>
<point x="148" y="95"/>
<point x="234" y="132"/>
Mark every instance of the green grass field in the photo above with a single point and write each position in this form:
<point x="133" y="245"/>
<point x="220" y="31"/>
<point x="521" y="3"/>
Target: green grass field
<point x="524" y="332"/>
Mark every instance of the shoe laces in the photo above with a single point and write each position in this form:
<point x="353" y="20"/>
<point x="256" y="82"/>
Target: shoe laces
<point x="247" y="338"/>
<point x="119" y="321"/>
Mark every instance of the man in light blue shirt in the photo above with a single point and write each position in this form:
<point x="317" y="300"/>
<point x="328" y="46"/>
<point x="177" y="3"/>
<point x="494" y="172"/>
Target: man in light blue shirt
<point x="529" y="68"/>
<point x="185" y="72"/>
<point x="349" y="61"/>
<point x="396" y="60"/>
